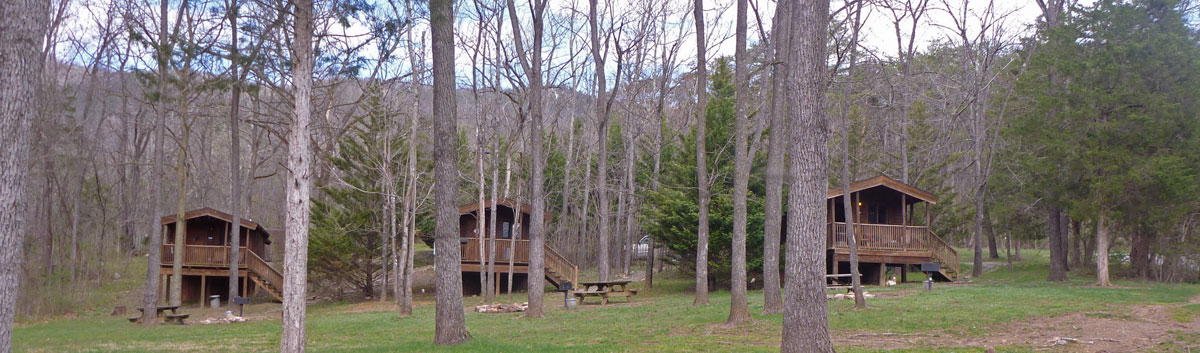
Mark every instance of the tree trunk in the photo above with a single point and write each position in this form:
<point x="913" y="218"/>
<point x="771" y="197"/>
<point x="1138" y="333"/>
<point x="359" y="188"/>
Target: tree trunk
<point x="805" y="317"/>
<point x="154" y="254"/>
<point x="1102" y="253"/>
<point x="516" y="233"/>
<point x="601" y="111"/>
<point x="235" y="158"/>
<point x="773" y="213"/>
<point x="537" y="230"/>
<point x="180" y="209"/>
<point x="404" y="292"/>
<point x="1089" y="251"/>
<point x="73" y="271"/>
<point x="450" y="325"/>
<point x="860" y="302"/>
<point x="1076" y="245"/>
<point x="20" y="71"/>
<point x="1058" y="271"/>
<point x="977" y="234"/>
<point x="701" y="157"/>
<point x="1139" y="255"/>
<point x="627" y="238"/>
<point x="295" y="253"/>
<point x="488" y="290"/>
<point x="993" y="252"/>
<point x="480" y="212"/>
<point x="582" y="253"/>
<point x="1008" y="251"/>
<point x="1064" y="240"/>
<point x="739" y="308"/>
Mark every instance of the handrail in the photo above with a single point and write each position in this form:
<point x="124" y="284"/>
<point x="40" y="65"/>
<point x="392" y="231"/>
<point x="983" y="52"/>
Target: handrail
<point x="263" y="269"/>
<point x="561" y="265"/>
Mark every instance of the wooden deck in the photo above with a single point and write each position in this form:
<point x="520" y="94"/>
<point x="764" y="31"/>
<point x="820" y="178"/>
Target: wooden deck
<point x="516" y="253"/>
<point x="894" y="244"/>
<point x="213" y="260"/>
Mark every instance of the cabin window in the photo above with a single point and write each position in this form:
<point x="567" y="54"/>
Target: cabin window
<point x="507" y="230"/>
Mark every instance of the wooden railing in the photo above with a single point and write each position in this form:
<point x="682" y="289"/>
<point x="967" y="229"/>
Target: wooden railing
<point x="564" y="269"/>
<point x="264" y="270"/>
<point x="887" y="237"/>
<point x="516" y="250"/>
<point x="218" y="256"/>
<point x="203" y="255"/>
<point x="945" y="253"/>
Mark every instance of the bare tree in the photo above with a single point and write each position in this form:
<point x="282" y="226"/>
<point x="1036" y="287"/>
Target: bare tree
<point x="295" y="257"/>
<point x="20" y="45"/>
<point x="860" y="302"/>
<point x="450" y="323"/>
<point x="701" y="157"/>
<point x="404" y="263"/>
<point x="773" y="212"/>
<point x="235" y="155"/>
<point x="980" y="63"/>
<point x="805" y="316"/>
<point x="150" y="294"/>
<point x="739" y="308"/>
<point x="532" y="65"/>
<point x="601" y="111"/>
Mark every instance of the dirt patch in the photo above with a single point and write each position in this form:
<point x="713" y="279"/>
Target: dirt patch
<point x="1137" y="328"/>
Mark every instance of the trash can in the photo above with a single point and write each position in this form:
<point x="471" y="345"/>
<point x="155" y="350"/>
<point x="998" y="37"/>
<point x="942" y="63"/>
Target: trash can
<point x="214" y="301"/>
<point x="571" y="303"/>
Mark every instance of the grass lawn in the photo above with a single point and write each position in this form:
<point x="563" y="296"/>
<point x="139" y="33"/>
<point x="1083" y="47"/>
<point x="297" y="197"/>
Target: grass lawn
<point x="661" y="319"/>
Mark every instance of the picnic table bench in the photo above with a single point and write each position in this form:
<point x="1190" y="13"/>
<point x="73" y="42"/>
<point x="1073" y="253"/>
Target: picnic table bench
<point x="605" y="290"/>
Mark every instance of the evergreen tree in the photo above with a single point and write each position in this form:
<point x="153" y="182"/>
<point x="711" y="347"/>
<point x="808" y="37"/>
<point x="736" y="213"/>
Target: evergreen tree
<point x="349" y="223"/>
<point x="671" y="213"/>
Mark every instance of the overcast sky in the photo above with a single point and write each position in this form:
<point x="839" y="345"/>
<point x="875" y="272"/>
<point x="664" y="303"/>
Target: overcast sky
<point x="878" y="36"/>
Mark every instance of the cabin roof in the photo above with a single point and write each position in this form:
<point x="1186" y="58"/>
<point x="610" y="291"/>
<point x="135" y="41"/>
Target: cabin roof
<point x="525" y="208"/>
<point x="210" y="212"/>
<point x="884" y="181"/>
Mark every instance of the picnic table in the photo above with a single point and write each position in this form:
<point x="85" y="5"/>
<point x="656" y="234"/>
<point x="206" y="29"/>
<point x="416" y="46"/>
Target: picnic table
<point x="174" y="316"/>
<point x="174" y="309"/>
<point x="605" y="289"/>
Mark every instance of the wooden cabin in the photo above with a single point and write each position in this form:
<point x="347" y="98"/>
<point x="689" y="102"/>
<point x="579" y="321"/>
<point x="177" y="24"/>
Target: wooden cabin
<point x="206" y="257"/>
<point x="885" y="231"/>
<point x="511" y="246"/>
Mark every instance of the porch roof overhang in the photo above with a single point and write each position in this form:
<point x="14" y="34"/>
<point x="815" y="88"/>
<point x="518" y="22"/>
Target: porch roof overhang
<point x="210" y="212"/>
<point x="487" y="204"/>
<point x="884" y="181"/>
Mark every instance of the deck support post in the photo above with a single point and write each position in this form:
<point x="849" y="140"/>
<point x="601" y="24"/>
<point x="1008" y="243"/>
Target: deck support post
<point x="203" y="292"/>
<point x="882" y="273"/>
<point x="162" y="287"/>
<point x="904" y="273"/>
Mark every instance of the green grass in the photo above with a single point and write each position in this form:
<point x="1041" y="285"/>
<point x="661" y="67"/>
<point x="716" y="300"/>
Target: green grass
<point x="1186" y="313"/>
<point x="661" y="319"/>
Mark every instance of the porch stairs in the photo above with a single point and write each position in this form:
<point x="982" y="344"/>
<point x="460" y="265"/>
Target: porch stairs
<point x="265" y="276"/>
<point x="559" y="269"/>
